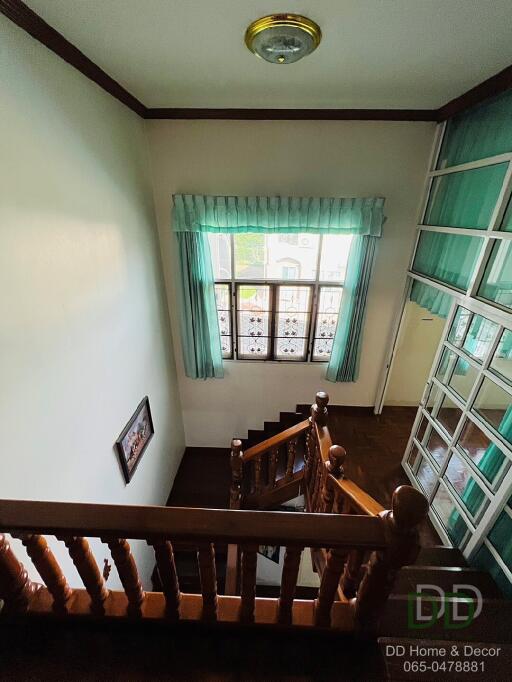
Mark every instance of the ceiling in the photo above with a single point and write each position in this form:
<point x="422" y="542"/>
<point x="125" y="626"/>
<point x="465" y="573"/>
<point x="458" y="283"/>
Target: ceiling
<point x="380" y="54"/>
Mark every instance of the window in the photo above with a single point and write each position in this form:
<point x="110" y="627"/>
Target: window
<point x="278" y="295"/>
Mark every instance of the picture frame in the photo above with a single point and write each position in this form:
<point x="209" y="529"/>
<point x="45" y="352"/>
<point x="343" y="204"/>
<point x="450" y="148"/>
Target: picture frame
<point x="134" y="439"/>
<point x="271" y="552"/>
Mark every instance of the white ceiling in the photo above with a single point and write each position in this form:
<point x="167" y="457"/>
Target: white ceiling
<point x="374" y="53"/>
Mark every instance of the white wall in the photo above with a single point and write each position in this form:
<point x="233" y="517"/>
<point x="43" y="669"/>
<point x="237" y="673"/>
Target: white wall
<point x="309" y="158"/>
<point x="84" y="325"/>
<point x="420" y="334"/>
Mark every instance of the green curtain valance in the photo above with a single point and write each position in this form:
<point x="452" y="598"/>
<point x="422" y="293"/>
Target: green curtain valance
<point x="199" y="213"/>
<point x="434" y="300"/>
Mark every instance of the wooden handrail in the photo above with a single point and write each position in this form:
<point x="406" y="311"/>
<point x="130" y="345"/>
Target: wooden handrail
<point x="190" y="525"/>
<point x="276" y="441"/>
<point x="357" y="498"/>
<point x="391" y="538"/>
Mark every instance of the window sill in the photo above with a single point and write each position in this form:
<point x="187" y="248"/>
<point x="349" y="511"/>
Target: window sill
<point x="277" y="362"/>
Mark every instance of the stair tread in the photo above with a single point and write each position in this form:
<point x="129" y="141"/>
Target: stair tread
<point x="438" y="555"/>
<point x="493" y="625"/>
<point x="445" y="578"/>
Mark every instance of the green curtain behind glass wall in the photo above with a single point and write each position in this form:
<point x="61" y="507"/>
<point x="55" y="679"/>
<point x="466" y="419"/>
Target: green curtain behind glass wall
<point x="484" y="130"/>
<point x="465" y="199"/>
<point x="430" y="298"/>
<point x="447" y="257"/>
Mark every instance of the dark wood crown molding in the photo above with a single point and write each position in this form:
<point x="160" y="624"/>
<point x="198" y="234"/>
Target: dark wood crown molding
<point x="489" y="88"/>
<point x="18" y="12"/>
<point x="295" y="114"/>
<point x="32" y="23"/>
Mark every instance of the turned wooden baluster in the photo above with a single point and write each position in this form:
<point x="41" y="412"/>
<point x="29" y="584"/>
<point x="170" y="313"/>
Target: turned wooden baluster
<point x="319" y="481"/>
<point x="82" y="557"/>
<point x="288" y="584"/>
<point x="128" y="574"/>
<point x="16" y="589"/>
<point x="248" y="592"/>
<point x="408" y="508"/>
<point x="311" y="477"/>
<point x="352" y="573"/>
<point x="257" y="474"/>
<point x="333" y="467"/>
<point x="164" y="556"/>
<point x="207" y="574"/>
<point x="46" y="565"/>
<point x="272" y="467"/>
<point x="291" y="451"/>
<point x="328" y="587"/>
<point x="235" y="492"/>
<point x="309" y="452"/>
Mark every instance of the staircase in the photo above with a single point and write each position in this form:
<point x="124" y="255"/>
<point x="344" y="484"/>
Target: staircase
<point x="368" y="559"/>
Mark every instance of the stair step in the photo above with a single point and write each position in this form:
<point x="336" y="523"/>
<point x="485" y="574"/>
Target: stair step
<point x="288" y="419"/>
<point x="438" y="555"/>
<point x="492" y="625"/>
<point x="272" y="428"/>
<point x="255" y="436"/>
<point x="445" y="578"/>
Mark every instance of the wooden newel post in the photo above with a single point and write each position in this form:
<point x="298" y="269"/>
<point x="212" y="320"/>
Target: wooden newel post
<point x="235" y="492"/>
<point x="333" y="467"/>
<point x="409" y="508"/>
<point x="319" y="409"/>
<point x="318" y="417"/>
<point x="16" y="588"/>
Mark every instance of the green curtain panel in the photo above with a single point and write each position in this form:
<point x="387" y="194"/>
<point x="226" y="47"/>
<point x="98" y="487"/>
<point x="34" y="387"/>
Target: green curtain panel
<point x="465" y="199"/>
<point x="196" y="215"/>
<point x="346" y="349"/>
<point x="484" y="130"/>
<point x="200" y="334"/>
<point x="199" y="213"/>
<point x="447" y="257"/>
<point x="437" y="302"/>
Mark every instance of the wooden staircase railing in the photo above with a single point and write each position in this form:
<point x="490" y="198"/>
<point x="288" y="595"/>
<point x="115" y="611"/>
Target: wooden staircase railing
<point x="390" y="537"/>
<point x="326" y="491"/>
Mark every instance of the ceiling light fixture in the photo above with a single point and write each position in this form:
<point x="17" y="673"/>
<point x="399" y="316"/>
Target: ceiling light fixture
<point x="283" y="38"/>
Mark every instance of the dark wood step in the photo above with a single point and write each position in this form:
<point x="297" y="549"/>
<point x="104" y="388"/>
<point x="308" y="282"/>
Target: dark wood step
<point x="492" y="625"/>
<point x="445" y="578"/>
<point x="438" y="555"/>
<point x="255" y="436"/>
<point x="288" y="419"/>
<point x="272" y="428"/>
<point x="203" y="479"/>
<point x="79" y="651"/>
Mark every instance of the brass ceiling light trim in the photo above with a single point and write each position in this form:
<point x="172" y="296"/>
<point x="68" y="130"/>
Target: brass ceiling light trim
<point x="283" y="38"/>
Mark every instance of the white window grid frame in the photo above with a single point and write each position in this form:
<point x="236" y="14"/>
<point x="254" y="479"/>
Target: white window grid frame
<point x="498" y="494"/>
<point x="316" y="285"/>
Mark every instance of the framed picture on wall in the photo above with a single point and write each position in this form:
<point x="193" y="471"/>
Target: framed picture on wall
<point x="135" y="438"/>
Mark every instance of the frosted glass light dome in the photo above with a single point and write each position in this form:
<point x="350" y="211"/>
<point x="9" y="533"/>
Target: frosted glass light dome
<point x="283" y="38"/>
